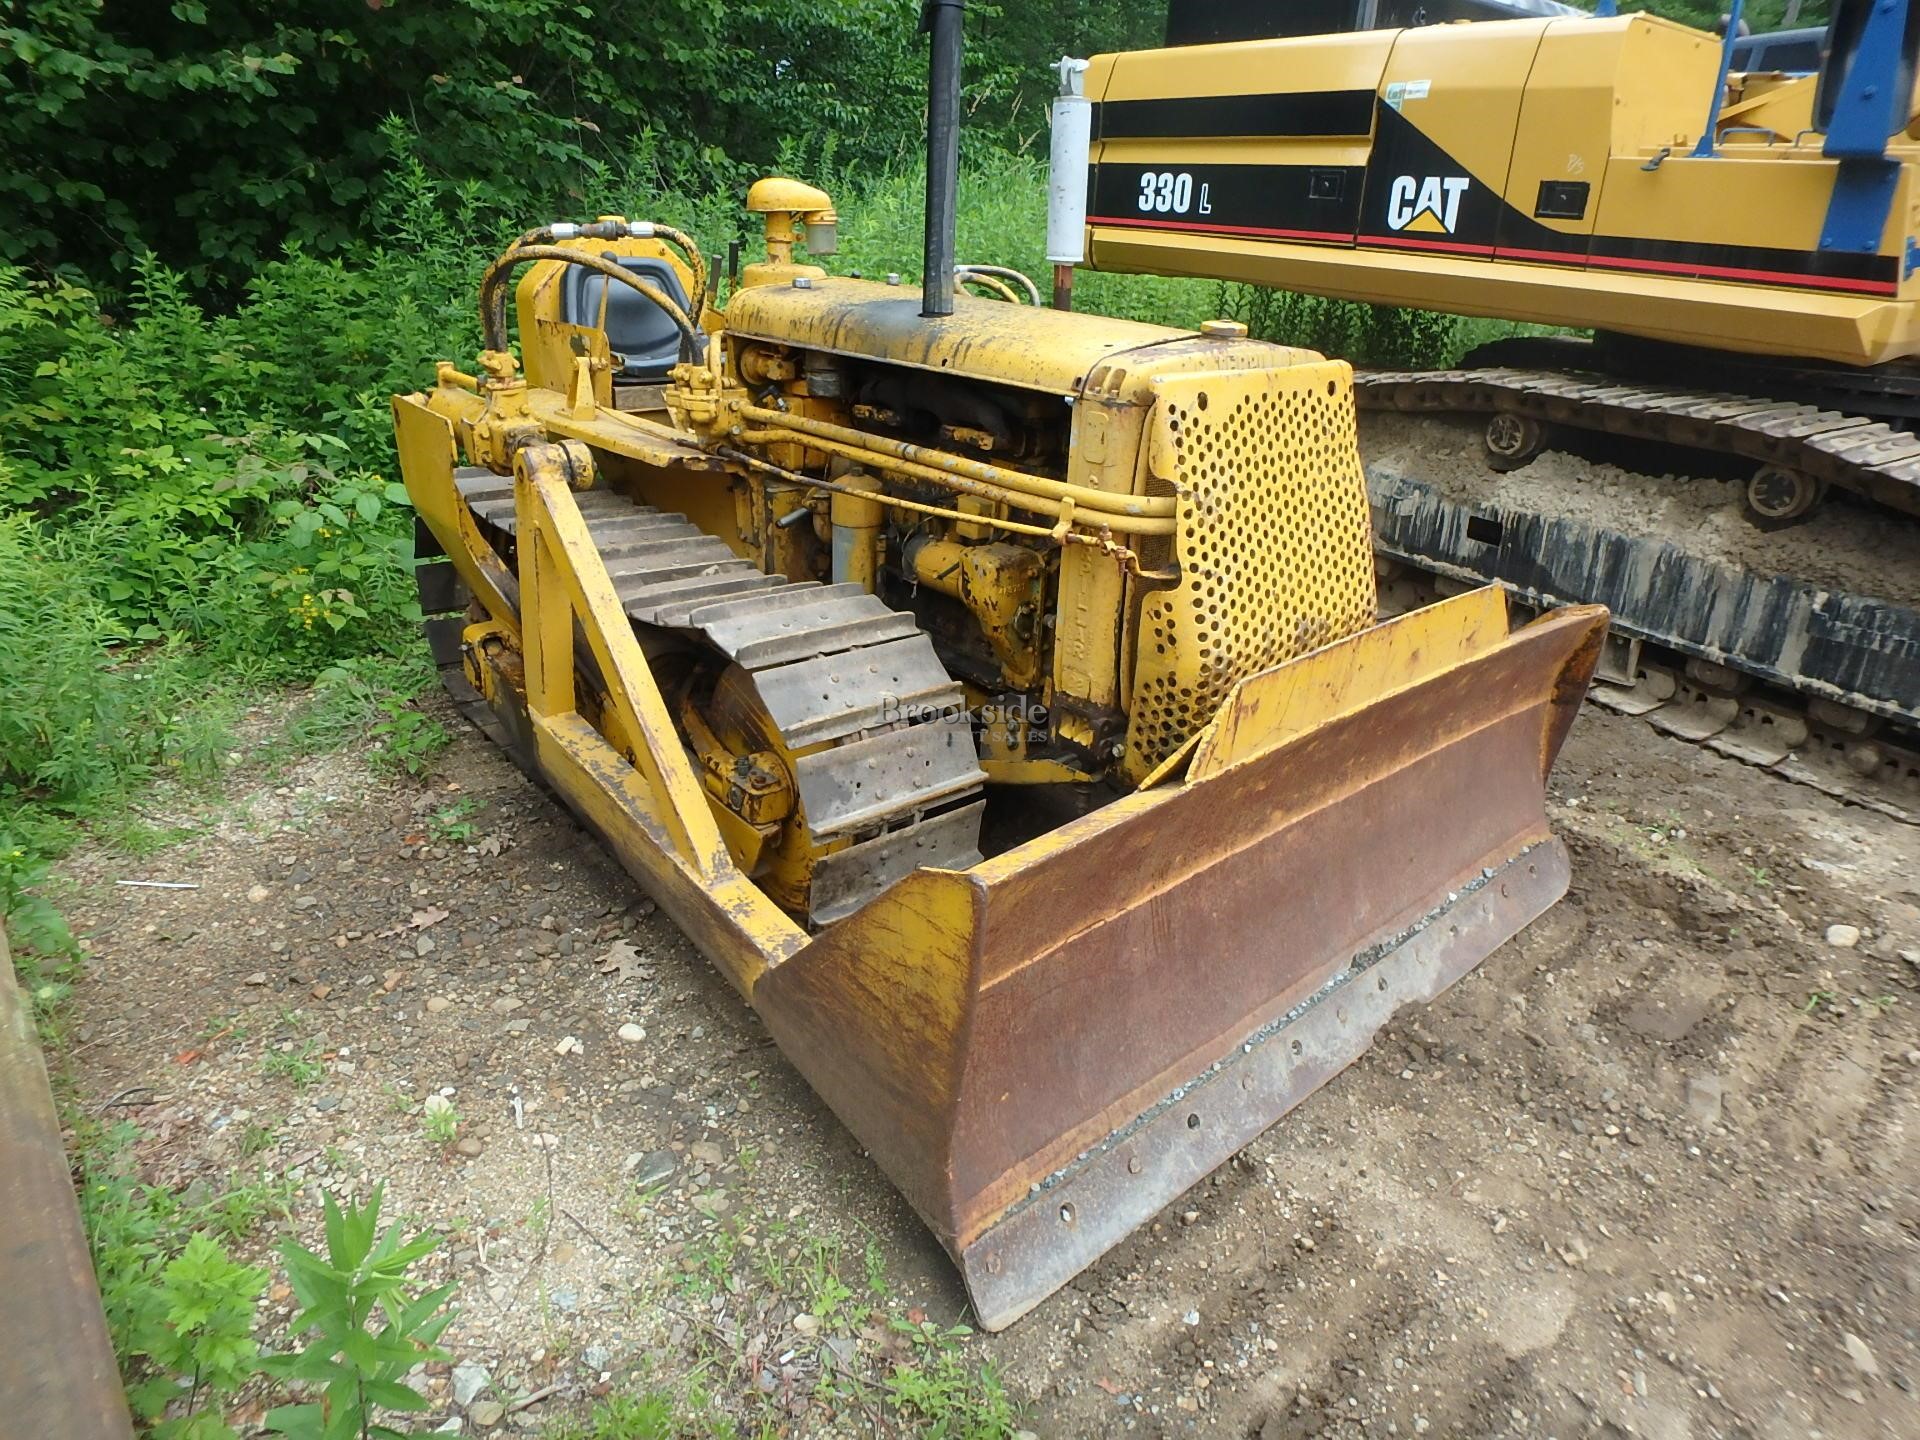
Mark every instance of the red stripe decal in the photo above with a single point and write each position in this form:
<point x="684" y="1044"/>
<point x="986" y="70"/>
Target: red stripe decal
<point x="1339" y="237"/>
<point x="1718" y="272"/>
<point x="1791" y="278"/>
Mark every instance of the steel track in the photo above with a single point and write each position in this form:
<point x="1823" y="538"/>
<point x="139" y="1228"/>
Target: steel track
<point x="1868" y="457"/>
<point x="884" y="766"/>
<point x="1695" y="664"/>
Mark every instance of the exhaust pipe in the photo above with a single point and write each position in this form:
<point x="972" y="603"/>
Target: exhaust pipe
<point x="1067" y="159"/>
<point x="942" y="20"/>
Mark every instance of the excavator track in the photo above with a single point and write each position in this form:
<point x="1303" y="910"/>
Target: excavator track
<point x="1818" y="685"/>
<point x="1852" y="452"/>
<point x="1841" y="753"/>
<point x="885" y="767"/>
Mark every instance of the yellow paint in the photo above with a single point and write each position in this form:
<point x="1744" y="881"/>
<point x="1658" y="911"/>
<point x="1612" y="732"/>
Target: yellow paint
<point x="1000" y="585"/>
<point x="727" y="916"/>
<point x="1843" y="328"/>
<point x="1275" y="545"/>
<point x="1616" y="104"/>
<point x="1200" y="551"/>
<point x="1018" y="345"/>
<point x="563" y="578"/>
<point x="425" y="443"/>
<point x="857" y="522"/>
<point x="1292" y="699"/>
<point x="784" y="202"/>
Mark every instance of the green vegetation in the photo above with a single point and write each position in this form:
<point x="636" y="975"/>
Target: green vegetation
<point x="439" y="1121"/>
<point x="453" y="824"/>
<point x="295" y="1063"/>
<point x="663" y="1414"/>
<point x="367" y="1329"/>
<point x="884" y="1366"/>
<point x="217" y="136"/>
<point x="179" y="1308"/>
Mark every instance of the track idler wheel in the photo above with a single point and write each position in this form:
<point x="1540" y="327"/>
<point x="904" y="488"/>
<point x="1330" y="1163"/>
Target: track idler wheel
<point x="1513" y="440"/>
<point x="1778" y="496"/>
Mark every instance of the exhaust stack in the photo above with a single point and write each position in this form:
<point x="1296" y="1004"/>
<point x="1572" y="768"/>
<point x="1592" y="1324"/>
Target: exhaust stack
<point x="1067" y="159"/>
<point x="942" y="20"/>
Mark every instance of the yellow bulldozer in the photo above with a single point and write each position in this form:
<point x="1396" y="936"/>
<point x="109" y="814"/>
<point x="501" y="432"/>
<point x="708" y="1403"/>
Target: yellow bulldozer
<point x="995" y="695"/>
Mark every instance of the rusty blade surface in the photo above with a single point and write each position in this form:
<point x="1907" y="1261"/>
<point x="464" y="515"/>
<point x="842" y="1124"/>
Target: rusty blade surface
<point x="1080" y="1212"/>
<point x="982" y="1032"/>
<point x="57" y="1372"/>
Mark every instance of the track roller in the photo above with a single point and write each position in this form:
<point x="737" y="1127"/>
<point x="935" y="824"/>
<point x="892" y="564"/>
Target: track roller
<point x="1778" y="496"/>
<point x="1513" y="440"/>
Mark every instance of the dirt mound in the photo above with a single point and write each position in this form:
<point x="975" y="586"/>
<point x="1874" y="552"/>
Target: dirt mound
<point x="1844" y="545"/>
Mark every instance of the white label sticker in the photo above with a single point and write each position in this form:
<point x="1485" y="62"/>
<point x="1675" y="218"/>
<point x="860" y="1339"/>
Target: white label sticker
<point x="1403" y="90"/>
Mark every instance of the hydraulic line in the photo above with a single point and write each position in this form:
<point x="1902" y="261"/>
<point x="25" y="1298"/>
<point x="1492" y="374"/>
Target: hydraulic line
<point x="1127" y="558"/>
<point x="493" y="290"/>
<point x="1126" y="511"/>
<point x="1005" y="272"/>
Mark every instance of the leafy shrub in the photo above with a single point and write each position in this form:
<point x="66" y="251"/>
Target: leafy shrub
<point x="180" y="1311"/>
<point x="1002" y="221"/>
<point x="201" y="1328"/>
<point x="216" y="134"/>
<point x="1366" y="334"/>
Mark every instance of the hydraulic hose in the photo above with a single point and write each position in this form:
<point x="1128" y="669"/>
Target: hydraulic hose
<point x="964" y="278"/>
<point x="623" y="230"/>
<point x="493" y="291"/>
<point x="947" y="467"/>
<point x="1005" y="272"/>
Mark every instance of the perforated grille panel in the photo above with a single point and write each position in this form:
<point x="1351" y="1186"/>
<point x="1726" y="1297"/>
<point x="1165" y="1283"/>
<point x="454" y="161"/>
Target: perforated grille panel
<point x="1274" y="545"/>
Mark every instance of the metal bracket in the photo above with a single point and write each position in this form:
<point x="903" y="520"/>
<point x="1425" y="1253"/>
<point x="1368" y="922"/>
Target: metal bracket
<point x="1869" y="105"/>
<point x="1862" y="200"/>
<point x="1703" y="148"/>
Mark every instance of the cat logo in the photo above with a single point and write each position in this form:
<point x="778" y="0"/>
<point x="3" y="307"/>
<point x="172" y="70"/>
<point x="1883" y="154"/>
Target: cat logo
<point x="1429" y="205"/>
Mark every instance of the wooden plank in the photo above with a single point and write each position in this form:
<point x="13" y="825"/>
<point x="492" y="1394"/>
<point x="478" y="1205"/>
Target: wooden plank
<point x="57" y="1371"/>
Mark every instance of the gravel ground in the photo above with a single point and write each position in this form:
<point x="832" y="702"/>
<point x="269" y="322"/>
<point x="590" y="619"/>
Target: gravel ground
<point x="1648" y="1172"/>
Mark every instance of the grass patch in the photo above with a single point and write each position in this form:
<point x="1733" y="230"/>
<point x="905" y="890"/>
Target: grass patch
<point x="781" y="1319"/>
<point x="294" y="1062"/>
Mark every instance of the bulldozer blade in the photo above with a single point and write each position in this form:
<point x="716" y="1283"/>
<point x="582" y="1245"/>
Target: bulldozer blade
<point x="1046" y="1049"/>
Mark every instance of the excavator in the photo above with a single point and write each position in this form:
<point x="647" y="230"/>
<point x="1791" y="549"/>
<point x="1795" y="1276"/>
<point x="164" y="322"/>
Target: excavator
<point x="1728" y="259"/>
<point x="997" y="696"/>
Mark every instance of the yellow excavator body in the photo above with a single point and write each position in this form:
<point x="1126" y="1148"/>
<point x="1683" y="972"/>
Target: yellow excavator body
<point x="996" y="698"/>
<point x="1543" y="170"/>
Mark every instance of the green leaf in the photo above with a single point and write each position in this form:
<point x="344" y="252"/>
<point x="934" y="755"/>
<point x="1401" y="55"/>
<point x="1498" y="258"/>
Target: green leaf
<point x="300" y="1422"/>
<point x="361" y="1351"/>
<point x="394" y="1396"/>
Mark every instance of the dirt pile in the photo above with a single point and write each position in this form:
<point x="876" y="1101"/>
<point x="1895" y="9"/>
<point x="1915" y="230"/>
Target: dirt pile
<point x="1843" y="545"/>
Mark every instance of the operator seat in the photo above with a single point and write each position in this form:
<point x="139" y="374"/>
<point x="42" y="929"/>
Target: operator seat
<point x="644" y="341"/>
